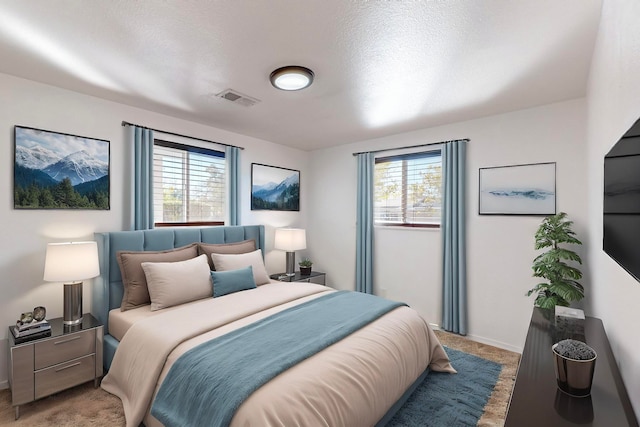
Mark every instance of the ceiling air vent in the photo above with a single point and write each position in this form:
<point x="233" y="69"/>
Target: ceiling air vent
<point x="237" y="98"/>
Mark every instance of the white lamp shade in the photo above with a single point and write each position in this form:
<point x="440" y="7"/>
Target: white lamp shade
<point x="290" y="239"/>
<point x="72" y="261"/>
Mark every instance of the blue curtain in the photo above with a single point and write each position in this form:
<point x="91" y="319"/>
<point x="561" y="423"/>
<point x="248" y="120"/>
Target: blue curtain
<point x="364" y="231"/>
<point x="454" y="311"/>
<point x="232" y="156"/>
<point x="142" y="191"/>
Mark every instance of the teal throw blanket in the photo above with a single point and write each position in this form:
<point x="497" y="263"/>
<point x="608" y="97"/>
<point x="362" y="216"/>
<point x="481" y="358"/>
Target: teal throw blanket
<point x="207" y="384"/>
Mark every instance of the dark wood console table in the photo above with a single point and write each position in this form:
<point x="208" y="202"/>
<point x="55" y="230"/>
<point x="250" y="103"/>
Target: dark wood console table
<point x="536" y="400"/>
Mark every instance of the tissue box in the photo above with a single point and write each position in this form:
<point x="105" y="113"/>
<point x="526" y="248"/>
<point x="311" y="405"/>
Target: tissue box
<point x="569" y="323"/>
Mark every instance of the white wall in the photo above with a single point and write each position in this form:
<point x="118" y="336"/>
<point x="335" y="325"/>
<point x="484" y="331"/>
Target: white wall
<point x="500" y="248"/>
<point x="25" y="234"/>
<point x="613" y="106"/>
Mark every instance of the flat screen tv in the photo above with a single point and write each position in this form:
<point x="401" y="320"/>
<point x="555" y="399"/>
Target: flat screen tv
<point x="622" y="202"/>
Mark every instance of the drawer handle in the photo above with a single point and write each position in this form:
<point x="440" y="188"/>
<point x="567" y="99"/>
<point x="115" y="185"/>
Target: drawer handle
<point x="67" y="367"/>
<point x="67" y="340"/>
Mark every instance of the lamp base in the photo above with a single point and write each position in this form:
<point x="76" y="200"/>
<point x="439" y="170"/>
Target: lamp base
<point x="291" y="262"/>
<point x="72" y="303"/>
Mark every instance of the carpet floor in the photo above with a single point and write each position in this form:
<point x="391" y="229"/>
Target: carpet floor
<point x="93" y="407"/>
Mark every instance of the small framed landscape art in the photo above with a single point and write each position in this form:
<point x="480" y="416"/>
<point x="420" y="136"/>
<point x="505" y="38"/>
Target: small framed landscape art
<point x="54" y="170"/>
<point x="518" y="190"/>
<point x="274" y="188"/>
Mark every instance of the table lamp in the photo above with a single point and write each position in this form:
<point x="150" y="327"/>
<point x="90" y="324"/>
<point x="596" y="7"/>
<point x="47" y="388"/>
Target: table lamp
<point x="290" y="240"/>
<point x="71" y="263"/>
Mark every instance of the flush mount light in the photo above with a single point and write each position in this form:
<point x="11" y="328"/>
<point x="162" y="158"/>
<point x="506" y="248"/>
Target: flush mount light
<point x="291" y="77"/>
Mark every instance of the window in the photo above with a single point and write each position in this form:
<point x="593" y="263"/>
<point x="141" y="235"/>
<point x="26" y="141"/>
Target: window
<point x="408" y="190"/>
<point x="188" y="185"/>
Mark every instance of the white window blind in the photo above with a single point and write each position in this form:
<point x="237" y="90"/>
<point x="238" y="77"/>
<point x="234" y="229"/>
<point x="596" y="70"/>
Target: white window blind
<point x="188" y="184"/>
<point x="408" y="189"/>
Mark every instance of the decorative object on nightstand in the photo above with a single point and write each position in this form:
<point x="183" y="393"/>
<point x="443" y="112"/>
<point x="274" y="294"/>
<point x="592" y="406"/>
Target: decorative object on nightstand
<point x="23" y="332"/>
<point x="305" y="266"/>
<point x="290" y="240"/>
<point x="39" y="313"/>
<point x="71" y="262"/>
<point x="31" y="325"/>
<point x="26" y="317"/>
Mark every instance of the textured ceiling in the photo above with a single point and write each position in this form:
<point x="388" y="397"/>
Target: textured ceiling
<point x="381" y="67"/>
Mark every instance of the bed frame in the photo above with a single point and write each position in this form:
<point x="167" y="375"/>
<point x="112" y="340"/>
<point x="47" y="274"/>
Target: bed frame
<point x="107" y="288"/>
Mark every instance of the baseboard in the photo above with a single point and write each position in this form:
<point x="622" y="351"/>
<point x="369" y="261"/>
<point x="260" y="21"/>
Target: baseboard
<point x="495" y="343"/>
<point x="484" y="340"/>
<point x="4" y="384"/>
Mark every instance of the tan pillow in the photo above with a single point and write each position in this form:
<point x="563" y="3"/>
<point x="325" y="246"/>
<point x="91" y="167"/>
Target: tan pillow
<point x="133" y="278"/>
<point x="226" y="248"/>
<point x="174" y="283"/>
<point x="226" y="262"/>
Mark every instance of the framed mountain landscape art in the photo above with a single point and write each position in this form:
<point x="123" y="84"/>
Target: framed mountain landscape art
<point x="518" y="190"/>
<point x="55" y="170"/>
<point x="274" y="188"/>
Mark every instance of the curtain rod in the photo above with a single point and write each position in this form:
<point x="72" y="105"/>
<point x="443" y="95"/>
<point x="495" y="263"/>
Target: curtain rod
<point x="410" y="146"/>
<point x="178" y="134"/>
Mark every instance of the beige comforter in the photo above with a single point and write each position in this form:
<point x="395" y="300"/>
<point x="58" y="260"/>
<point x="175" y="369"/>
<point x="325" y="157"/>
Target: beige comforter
<point x="351" y="383"/>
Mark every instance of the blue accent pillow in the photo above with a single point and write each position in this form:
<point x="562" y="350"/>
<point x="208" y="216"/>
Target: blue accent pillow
<point x="230" y="281"/>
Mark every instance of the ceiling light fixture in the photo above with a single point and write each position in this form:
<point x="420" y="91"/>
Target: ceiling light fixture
<point x="291" y="77"/>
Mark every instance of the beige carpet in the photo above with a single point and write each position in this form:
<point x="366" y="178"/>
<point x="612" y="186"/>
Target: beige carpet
<point x="87" y="406"/>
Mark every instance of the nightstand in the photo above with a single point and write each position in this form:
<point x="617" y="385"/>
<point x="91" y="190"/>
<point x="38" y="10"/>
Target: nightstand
<point x="315" y="277"/>
<point x="72" y="355"/>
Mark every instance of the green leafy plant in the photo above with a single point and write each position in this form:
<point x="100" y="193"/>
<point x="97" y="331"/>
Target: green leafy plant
<point x="562" y="285"/>
<point x="305" y="263"/>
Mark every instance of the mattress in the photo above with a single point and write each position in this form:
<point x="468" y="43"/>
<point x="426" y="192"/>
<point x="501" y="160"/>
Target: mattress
<point x="353" y="382"/>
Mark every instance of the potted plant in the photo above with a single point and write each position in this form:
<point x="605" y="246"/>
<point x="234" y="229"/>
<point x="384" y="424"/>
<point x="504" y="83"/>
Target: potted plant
<point x="561" y="287"/>
<point x="575" y="362"/>
<point x="305" y="266"/>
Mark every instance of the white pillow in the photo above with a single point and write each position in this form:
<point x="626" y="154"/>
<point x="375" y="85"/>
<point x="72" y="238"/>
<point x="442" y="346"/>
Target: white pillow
<point x="174" y="283"/>
<point x="226" y="262"/>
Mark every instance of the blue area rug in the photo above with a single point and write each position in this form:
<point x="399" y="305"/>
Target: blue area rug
<point x="451" y="399"/>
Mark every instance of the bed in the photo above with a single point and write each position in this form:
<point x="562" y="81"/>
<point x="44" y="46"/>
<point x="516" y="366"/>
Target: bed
<point x="359" y="378"/>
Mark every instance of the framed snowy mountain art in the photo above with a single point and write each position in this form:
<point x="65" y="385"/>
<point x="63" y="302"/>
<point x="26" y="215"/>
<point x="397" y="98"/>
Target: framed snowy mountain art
<point x="274" y="188"/>
<point x="54" y="170"/>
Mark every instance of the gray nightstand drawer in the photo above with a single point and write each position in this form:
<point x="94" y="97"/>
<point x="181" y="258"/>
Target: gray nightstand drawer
<point x="64" y="375"/>
<point x="60" y="349"/>
<point x="318" y="280"/>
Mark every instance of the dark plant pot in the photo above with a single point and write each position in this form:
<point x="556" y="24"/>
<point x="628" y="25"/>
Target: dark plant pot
<point x="574" y="376"/>
<point x="305" y="271"/>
